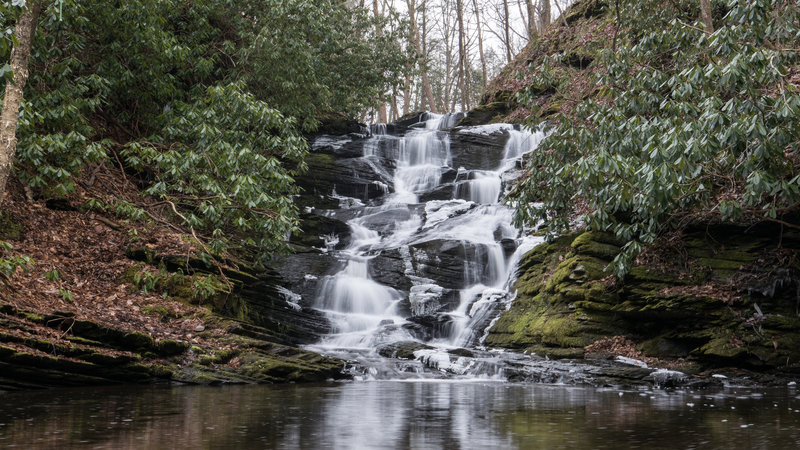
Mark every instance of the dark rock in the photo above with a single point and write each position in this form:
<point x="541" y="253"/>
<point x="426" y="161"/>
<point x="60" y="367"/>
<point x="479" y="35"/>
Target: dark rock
<point x="462" y="352"/>
<point x="300" y="272"/>
<point x="406" y="121"/>
<point x="388" y="268"/>
<point x="402" y="349"/>
<point x="426" y="299"/>
<point x="429" y="327"/>
<point x="451" y="263"/>
<point x="577" y="60"/>
<point x="585" y="9"/>
<point x="477" y="151"/>
<point x="386" y="221"/>
<point x="316" y="229"/>
<point x="509" y="246"/>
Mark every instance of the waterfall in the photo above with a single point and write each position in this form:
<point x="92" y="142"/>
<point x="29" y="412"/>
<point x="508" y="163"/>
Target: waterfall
<point x="434" y="271"/>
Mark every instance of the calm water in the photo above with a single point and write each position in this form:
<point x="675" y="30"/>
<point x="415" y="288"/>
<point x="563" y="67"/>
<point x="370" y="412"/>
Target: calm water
<point x="388" y="415"/>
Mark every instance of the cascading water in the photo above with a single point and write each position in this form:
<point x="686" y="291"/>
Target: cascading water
<point x="450" y="242"/>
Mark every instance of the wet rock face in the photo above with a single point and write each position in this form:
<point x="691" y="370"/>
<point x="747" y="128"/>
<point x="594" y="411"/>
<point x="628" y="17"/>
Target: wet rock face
<point x="429" y="327"/>
<point x="364" y="179"/>
<point x="321" y="232"/>
<point x="711" y="302"/>
<point x="474" y="150"/>
<point x="402" y="349"/>
<point x="302" y="271"/>
<point x="388" y="268"/>
<point x="452" y="264"/>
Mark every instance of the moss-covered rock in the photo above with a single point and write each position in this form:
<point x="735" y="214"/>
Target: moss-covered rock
<point x="745" y="314"/>
<point x="171" y="347"/>
<point x="585" y="9"/>
<point x="487" y="113"/>
<point x="98" y="354"/>
<point x="599" y="245"/>
<point x="10" y="228"/>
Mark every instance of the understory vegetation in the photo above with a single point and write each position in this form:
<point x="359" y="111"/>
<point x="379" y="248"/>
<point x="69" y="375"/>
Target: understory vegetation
<point x="685" y="123"/>
<point x="203" y="104"/>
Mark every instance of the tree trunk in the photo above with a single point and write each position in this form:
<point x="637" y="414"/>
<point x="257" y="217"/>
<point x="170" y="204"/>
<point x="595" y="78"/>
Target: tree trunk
<point x="382" y="107"/>
<point x="394" y="113"/>
<point x="480" y="43"/>
<point x="407" y="90"/>
<point x="9" y="117"/>
<point x="531" y="19"/>
<point x="705" y="15"/>
<point x="544" y="14"/>
<point x="426" y="84"/>
<point x="462" y="54"/>
<point x="507" y="29"/>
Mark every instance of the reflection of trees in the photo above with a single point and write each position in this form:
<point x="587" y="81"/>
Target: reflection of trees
<point x="391" y="415"/>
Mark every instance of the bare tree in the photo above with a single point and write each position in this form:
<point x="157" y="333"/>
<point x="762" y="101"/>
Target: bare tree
<point x="544" y="14"/>
<point x="382" y="107"/>
<point x="462" y="54"/>
<point x="531" y="7"/>
<point x="480" y="43"/>
<point x="9" y="117"/>
<point x="426" y="84"/>
<point x="507" y="30"/>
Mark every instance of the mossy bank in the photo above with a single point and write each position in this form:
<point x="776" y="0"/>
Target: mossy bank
<point x="714" y="296"/>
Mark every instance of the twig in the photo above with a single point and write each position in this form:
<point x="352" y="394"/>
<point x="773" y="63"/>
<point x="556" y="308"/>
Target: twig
<point x="782" y="222"/>
<point x="121" y="167"/>
<point x="113" y="225"/>
<point x="694" y="27"/>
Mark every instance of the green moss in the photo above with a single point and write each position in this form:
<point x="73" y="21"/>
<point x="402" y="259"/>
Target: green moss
<point x="575" y="270"/>
<point x="557" y="352"/>
<point x="158" y="310"/>
<point x="205" y="360"/>
<point x="599" y="245"/>
<point x="164" y="371"/>
<point x="223" y="356"/>
<point x="33" y="317"/>
<point x="10" y="228"/>
<point x="721" y="347"/>
<point x="585" y="9"/>
<point x="642" y="274"/>
<point x="170" y="347"/>
<point x="84" y="341"/>
<point x="782" y="323"/>
<point x="487" y="113"/>
<point x="138" y="341"/>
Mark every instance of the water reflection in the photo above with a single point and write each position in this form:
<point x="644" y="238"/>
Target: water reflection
<point x="399" y="415"/>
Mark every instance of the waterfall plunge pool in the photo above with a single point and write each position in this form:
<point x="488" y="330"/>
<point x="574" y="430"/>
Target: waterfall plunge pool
<point x="396" y="414"/>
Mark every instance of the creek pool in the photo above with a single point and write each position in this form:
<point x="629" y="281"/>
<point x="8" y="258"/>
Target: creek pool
<point x="396" y="414"/>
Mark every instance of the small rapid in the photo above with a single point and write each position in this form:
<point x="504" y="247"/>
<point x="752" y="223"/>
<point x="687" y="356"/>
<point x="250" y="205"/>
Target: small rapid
<point x="430" y="264"/>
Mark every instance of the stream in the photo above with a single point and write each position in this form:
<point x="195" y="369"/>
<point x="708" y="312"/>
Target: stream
<point x="395" y="414"/>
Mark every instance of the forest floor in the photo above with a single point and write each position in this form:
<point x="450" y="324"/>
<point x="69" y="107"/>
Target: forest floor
<point x="81" y="273"/>
<point x="80" y="265"/>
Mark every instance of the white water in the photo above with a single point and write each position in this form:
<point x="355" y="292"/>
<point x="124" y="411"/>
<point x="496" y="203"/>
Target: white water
<point x="473" y="224"/>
